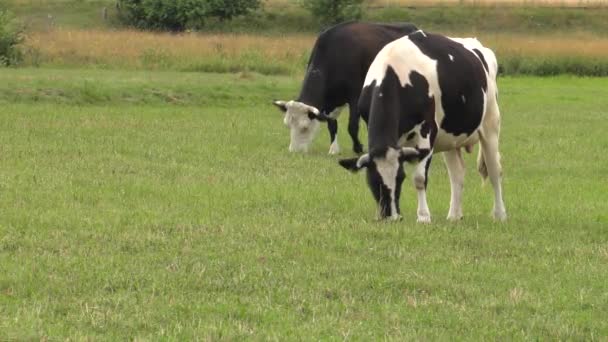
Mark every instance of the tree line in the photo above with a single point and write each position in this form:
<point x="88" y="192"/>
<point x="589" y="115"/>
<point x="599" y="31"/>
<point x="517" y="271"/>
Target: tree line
<point x="171" y="15"/>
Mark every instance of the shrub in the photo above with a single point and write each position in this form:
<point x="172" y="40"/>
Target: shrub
<point x="180" y="15"/>
<point x="11" y="35"/>
<point x="333" y="11"/>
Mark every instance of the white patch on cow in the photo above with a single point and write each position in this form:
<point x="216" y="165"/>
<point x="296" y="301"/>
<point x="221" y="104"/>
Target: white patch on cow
<point x="464" y="99"/>
<point x="418" y="140"/>
<point x="403" y="56"/>
<point x="387" y="168"/>
<point x="403" y="142"/>
<point x="302" y="128"/>
<point x="451" y="57"/>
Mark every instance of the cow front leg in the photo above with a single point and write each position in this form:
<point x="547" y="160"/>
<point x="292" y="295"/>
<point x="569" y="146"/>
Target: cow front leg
<point x="421" y="173"/>
<point x="332" y="126"/>
<point x="353" y="128"/>
<point x="456" y="170"/>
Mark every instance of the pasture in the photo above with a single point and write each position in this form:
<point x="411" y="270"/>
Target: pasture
<point x="149" y="205"/>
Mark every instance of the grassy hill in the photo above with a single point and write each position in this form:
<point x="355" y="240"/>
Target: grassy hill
<point x="280" y="17"/>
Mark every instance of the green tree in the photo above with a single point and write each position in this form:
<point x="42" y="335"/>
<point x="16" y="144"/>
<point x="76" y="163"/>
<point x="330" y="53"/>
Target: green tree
<point x="178" y="15"/>
<point x="11" y="35"/>
<point x="334" y="11"/>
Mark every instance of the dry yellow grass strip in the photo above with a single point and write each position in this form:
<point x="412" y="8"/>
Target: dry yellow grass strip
<point x="132" y="48"/>
<point x="135" y="49"/>
<point x="575" y="44"/>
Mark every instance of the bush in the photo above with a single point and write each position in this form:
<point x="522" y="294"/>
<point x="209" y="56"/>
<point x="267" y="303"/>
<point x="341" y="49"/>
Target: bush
<point x="11" y="35"/>
<point x="180" y="15"/>
<point x="334" y="11"/>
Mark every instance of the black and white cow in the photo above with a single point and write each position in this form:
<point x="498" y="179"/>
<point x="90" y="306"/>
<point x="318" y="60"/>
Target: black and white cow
<point x="427" y="93"/>
<point x="334" y="77"/>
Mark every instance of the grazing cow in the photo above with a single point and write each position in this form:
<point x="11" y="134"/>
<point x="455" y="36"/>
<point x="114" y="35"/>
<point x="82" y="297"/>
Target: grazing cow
<point x="426" y="93"/>
<point x="334" y="77"/>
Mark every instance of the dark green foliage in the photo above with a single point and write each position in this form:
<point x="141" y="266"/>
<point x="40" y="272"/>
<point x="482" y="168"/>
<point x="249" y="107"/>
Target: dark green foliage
<point x="228" y="9"/>
<point x="554" y="65"/>
<point x="334" y="11"/>
<point x="11" y="35"/>
<point x="180" y="15"/>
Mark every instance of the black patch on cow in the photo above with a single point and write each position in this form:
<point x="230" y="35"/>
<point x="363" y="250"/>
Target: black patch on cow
<point x="410" y="136"/>
<point x="423" y="152"/>
<point x="483" y="59"/>
<point x="465" y="76"/>
<point x="395" y="109"/>
<point x="398" y="186"/>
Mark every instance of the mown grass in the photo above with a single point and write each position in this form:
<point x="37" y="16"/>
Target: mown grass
<point x="143" y="218"/>
<point x="573" y="53"/>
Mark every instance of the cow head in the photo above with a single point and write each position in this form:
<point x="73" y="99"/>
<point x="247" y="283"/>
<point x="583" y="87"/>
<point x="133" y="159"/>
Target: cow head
<point x="385" y="176"/>
<point x="302" y="121"/>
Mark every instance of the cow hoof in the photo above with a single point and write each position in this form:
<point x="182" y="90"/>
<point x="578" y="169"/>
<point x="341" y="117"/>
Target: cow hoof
<point x="358" y="149"/>
<point x="500" y="216"/>
<point x="334" y="149"/>
<point x="424" y="219"/>
<point x="454" y="218"/>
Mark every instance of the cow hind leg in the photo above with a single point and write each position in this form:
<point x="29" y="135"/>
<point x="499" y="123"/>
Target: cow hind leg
<point x="491" y="158"/>
<point x="456" y="171"/>
<point x="420" y="180"/>
<point x="332" y="126"/>
<point x="481" y="165"/>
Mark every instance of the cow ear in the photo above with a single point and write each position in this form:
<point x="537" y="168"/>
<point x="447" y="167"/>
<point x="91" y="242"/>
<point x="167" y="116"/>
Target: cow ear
<point x="355" y="164"/>
<point x="282" y="105"/>
<point x="314" y="114"/>
<point x="408" y="154"/>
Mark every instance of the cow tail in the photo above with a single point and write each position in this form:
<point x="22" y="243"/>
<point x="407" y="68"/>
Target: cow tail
<point x="481" y="165"/>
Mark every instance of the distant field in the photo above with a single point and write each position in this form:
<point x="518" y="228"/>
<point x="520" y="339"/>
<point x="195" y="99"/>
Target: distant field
<point x="165" y="206"/>
<point x="577" y="53"/>
<point x="278" y="16"/>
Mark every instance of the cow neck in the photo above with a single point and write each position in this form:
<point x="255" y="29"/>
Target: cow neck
<point x="383" y="131"/>
<point x="384" y="121"/>
<point x="313" y="89"/>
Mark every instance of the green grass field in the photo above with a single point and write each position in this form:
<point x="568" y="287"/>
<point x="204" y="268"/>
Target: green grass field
<point x="165" y="206"/>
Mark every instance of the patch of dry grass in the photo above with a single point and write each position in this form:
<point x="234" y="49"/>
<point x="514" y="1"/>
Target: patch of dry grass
<point x="145" y="50"/>
<point x="243" y="52"/>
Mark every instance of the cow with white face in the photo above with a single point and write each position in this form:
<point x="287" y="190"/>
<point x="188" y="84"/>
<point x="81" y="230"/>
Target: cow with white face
<point x="426" y="93"/>
<point x="334" y="77"/>
<point x="303" y="123"/>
